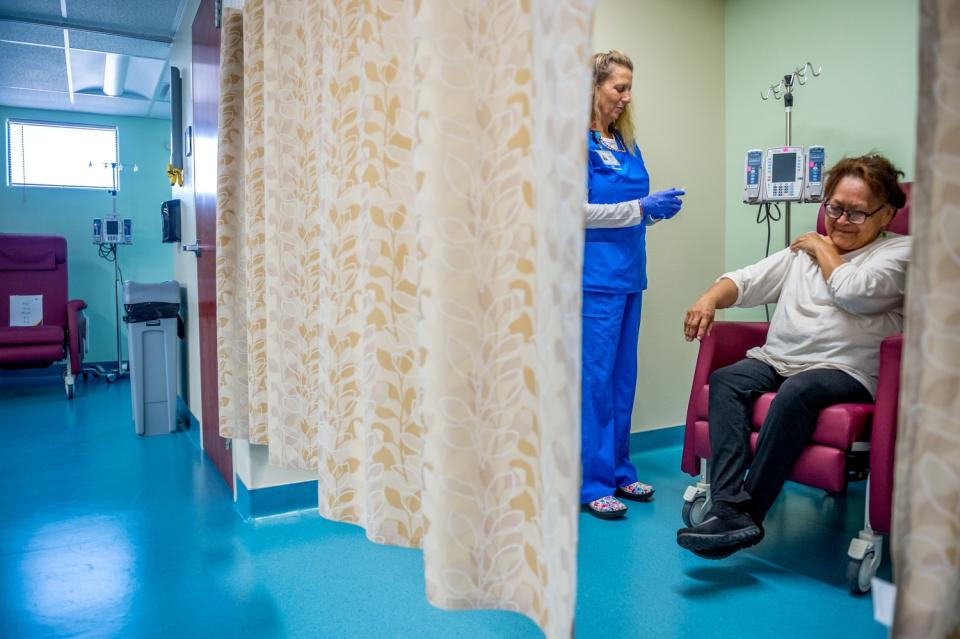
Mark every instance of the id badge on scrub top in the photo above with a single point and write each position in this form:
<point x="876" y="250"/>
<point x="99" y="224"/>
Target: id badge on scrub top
<point x="608" y="158"/>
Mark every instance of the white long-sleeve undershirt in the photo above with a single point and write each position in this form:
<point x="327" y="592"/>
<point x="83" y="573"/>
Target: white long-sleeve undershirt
<point x="614" y="216"/>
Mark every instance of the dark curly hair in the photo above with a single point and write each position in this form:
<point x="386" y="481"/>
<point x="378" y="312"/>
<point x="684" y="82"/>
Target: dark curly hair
<point x="878" y="172"/>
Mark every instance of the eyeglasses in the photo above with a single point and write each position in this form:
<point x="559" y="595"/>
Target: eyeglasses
<point x="834" y="212"/>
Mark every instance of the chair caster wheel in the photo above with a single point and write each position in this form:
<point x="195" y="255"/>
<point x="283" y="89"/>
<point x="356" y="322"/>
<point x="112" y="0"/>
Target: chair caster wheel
<point x="693" y="511"/>
<point x="860" y="572"/>
<point x="111" y="378"/>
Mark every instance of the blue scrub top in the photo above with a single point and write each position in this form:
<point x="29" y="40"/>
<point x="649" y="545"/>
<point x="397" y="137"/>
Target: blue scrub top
<point x="615" y="260"/>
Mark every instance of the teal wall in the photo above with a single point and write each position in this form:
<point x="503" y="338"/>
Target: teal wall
<point x="69" y="212"/>
<point x="866" y="99"/>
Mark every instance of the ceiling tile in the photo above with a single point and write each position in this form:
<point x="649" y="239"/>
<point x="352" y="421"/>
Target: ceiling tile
<point x="117" y="44"/>
<point x="13" y="31"/>
<point x="83" y="103"/>
<point x="45" y="9"/>
<point x="30" y="67"/>
<point x="112" y="106"/>
<point x="35" y="99"/>
<point x="149" y="17"/>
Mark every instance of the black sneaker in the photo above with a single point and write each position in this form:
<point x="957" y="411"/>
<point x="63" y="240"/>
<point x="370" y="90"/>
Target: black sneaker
<point x="724" y="531"/>
<point x="723" y="553"/>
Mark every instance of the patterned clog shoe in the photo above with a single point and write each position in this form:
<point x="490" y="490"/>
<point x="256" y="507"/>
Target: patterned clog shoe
<point x="608" y="507"/>
<point x="637" y="491"/>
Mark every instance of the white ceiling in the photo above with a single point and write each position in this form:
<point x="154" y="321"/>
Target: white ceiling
<point x="35" y="72"/>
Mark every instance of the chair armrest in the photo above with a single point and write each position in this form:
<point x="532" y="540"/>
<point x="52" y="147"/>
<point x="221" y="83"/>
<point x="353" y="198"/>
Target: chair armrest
<point x="76" y="324"/>
<point x="883" y="436"/>
<point x="727" y="344"/>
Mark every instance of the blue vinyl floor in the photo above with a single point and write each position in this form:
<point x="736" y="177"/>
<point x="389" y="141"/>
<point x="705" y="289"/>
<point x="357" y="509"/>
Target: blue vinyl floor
<point x="105" y="534"/>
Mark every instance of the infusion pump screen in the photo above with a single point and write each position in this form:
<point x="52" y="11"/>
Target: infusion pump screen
<point x="113" y="227"/>
<point x="784" y="167"/>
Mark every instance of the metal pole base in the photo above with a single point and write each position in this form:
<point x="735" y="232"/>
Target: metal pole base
<point x="114" y="374"/>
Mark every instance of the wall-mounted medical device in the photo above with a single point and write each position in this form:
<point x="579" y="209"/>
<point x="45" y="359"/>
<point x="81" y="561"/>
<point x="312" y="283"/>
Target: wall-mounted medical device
<point x="112" y="230"/>
<point x="813" y="179"/>
<point x="752" y="176"/>
<point x="783" y="174"/>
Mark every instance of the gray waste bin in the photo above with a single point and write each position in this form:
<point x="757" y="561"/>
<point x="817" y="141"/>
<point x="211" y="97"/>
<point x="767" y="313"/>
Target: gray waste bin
<point x="152" y="317"/>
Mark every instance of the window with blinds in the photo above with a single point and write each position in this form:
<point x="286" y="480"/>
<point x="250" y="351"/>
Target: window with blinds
<point x="54" y="154"/>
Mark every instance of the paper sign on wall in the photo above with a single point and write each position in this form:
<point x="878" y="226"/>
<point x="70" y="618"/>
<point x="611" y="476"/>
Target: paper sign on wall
<point x="26" y="310"/>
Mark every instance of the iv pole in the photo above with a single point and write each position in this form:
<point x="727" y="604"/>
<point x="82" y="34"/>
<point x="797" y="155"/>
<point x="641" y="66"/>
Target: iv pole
<point x="111" y="254"/>
<point x="784" y="89"/>
<point x="119" y="371"/>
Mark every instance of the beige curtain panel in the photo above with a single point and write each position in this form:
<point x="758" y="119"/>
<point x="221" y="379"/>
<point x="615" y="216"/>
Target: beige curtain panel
<point x="926" y="526"/>
<point x="399" y="251"/>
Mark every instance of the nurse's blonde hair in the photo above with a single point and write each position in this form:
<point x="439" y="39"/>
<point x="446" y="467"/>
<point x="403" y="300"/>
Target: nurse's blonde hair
<point x="602" y="68"/>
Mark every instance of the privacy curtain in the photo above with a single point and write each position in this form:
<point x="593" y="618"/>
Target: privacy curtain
<point x="926" y="526"/>
<point x="399" y="250"/>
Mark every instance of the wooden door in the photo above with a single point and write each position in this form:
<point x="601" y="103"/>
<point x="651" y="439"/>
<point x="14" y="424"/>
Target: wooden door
<point x="206" y="94"/>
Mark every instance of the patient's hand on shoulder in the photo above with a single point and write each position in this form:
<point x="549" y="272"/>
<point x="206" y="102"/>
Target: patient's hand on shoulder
<point x="810" y="243"/>
<point x="821" y="250"/>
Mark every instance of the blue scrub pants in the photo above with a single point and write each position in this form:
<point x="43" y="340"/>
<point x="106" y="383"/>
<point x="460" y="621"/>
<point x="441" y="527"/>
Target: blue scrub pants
<point x="611" y="327"/>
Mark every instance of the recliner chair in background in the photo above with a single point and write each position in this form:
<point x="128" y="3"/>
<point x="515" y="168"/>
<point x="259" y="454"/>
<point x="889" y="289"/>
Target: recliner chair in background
<point x="851" y="441"/>
<point x="33" y="265"/>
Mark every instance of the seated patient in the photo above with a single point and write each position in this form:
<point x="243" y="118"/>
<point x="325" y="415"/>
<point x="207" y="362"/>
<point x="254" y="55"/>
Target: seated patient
<point x="837" y="297"/>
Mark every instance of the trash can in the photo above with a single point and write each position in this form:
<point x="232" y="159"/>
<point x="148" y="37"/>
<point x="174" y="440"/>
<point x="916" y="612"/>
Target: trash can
<point x="153" y="327"/>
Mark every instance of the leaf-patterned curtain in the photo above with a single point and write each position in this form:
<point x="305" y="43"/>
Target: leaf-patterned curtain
<point x="399" y="249"/>
<point x="926" y="524"/>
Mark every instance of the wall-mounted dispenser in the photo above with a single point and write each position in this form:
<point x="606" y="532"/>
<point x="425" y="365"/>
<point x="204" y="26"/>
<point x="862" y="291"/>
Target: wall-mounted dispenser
<point x="170" y="220"/>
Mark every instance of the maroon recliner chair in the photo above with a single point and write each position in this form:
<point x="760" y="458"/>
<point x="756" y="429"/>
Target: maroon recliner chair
<point x="33" y="265"/>
<point x="851" y="441"/>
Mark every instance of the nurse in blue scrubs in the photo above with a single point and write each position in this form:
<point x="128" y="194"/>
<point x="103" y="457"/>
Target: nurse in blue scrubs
<point x="618" y="210"/>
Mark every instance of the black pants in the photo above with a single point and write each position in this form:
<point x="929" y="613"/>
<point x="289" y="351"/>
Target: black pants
<point x="786" y="430"/>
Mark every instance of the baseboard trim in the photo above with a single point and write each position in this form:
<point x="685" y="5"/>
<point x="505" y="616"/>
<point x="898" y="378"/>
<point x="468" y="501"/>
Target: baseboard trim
<point x="275" y="500"/>
<point x="657" y="438"/>
<point x="187" y="421"/>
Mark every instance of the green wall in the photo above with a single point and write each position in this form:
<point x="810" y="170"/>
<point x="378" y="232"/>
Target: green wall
<point x="69" y="212"/>
<point x="700" y="66"/>
<point x="865" y="100"/>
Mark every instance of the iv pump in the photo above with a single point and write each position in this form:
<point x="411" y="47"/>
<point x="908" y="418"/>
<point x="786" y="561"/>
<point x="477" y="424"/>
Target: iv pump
<point x="784" y="174"/>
